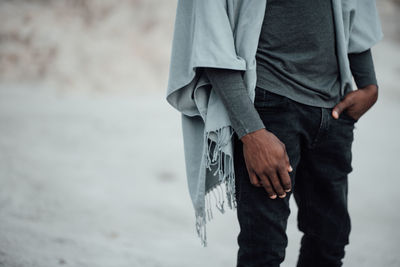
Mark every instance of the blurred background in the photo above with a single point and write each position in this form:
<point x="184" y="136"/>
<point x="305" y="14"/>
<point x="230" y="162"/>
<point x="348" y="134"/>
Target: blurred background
<point x="91" y="155"/>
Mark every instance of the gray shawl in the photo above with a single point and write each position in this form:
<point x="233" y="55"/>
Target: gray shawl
<point x="225" y="34"/>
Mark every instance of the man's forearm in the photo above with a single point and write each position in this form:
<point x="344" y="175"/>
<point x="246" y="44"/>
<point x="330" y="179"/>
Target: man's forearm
<point x="230" y="87"/>
<point x="362" y="68"/>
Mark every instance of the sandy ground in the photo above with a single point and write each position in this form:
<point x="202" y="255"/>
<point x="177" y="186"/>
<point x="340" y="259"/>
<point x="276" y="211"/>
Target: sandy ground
<point x="96" y="177"/>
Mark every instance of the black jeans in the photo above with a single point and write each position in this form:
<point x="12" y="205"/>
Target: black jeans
<point x="319" y="149"/>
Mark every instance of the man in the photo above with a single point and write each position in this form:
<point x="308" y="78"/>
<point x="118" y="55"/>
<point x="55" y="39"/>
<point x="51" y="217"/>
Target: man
<point x="297" y="136"/>
<point x="297" y="59"/>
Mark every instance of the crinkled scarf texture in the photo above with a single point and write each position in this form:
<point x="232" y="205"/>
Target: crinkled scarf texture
<point x="225" y="34"/>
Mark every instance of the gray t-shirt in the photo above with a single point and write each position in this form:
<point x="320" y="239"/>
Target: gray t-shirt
<point x="296" y="55"/>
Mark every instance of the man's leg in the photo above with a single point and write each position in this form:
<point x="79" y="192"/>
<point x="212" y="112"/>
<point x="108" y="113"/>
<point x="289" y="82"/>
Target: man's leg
<point x="262" y="239"/>
<point x="321" y="191"/>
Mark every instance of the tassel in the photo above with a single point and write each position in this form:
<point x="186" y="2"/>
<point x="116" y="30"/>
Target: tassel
<point x="225" y="169"/>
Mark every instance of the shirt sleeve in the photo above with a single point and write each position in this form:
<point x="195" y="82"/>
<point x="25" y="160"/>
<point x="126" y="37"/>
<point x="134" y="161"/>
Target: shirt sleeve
<point x="230" y="87"/>
<point x="362" y="68"/>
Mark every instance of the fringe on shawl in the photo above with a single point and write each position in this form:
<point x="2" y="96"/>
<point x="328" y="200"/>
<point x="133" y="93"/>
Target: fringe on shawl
<point x="226" y="175"/>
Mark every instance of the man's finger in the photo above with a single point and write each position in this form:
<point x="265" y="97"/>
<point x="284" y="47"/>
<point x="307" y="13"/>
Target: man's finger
<point x="267" y="186"/>
<point x="253" y="179"/>
<point x="285" y="180"/>
<point x="289" y="167"/>
<point x="338" y="109"/>
<point x="276" y="183"/>
<point x="342" y="105"/>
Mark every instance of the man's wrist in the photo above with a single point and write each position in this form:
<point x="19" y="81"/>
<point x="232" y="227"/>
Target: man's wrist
<point x="249" y="137"/>
<point x="371" y="91"/>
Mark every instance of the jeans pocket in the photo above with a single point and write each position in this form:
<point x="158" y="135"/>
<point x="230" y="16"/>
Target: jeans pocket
<point x="268" y="101"/>
<point x="344" y="115"/>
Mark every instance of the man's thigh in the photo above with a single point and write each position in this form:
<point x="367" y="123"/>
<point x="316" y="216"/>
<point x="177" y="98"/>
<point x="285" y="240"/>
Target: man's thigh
<point x="322" y="181"/>
<point x="263" y="220"/>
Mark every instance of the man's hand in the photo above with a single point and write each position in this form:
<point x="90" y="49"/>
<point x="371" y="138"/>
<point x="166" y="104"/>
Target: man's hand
<point x="357" y="102"/>
<point x="266" y="158"/>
